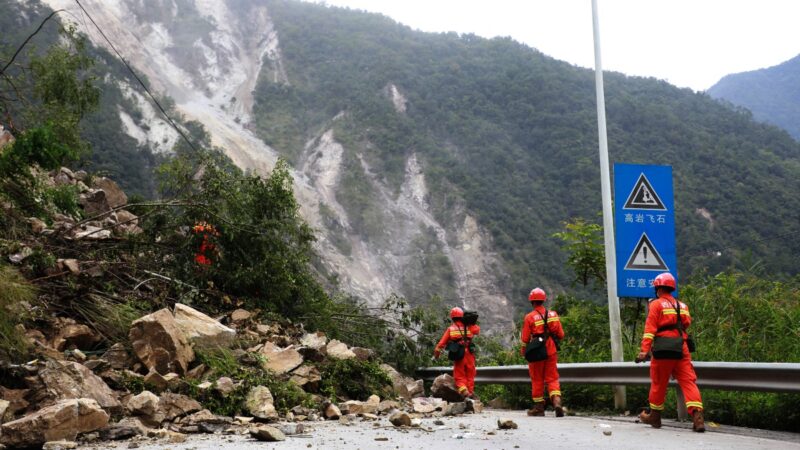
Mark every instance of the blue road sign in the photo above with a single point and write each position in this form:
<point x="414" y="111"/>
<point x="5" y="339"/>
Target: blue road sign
<point x="644" y="214"/>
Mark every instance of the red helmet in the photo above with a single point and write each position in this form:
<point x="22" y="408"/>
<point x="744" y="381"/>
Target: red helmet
<point x="456" y="313"/>
<point x="664" y="280"/>
<point x="537" y="295"/>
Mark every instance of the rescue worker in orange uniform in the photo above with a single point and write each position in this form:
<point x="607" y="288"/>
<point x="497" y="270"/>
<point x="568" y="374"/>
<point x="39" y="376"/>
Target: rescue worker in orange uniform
<point x="546" y="371"/>
<point x="463" y="369"/>
<point x="662" y="321"/>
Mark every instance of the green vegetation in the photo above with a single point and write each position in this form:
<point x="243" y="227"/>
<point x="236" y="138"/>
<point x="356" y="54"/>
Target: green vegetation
<point x="354" y="379"/>
<point x="224" y="364"/>
<point x="17" y="297"/>
<point x="584" y="243"/>
<point x="771" y="94"/>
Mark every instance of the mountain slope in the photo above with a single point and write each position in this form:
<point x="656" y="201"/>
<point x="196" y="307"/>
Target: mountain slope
<point x="772" y="94"/>
<point x="441" y="164"/>
<point x="511" y="133"/>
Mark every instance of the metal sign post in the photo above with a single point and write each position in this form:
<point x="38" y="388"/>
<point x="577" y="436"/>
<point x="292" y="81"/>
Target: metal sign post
<point x="608" y="220"/>
<point x="645" y="219"/>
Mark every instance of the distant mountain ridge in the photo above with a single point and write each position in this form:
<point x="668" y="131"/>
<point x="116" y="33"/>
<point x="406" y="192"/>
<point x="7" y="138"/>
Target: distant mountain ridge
<point x="771" y="94"/>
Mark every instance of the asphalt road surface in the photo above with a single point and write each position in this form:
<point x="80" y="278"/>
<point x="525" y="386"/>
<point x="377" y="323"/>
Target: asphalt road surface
<point x="480" y="431"/>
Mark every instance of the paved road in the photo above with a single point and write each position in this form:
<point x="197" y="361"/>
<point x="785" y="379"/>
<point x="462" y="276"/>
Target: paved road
<point x="478" y="432"/>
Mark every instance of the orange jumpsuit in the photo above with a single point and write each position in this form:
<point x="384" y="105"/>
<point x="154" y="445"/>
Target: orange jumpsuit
<point x="463" y="370"/>
<point x="546" y="371"/>
<point x="662" y="313"/>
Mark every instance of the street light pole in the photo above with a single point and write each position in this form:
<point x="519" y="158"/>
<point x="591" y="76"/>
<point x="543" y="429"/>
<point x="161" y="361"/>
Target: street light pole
<point x="608" y="218"/>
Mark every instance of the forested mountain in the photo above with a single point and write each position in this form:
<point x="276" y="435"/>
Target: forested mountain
<point x="771" y="94"/>
<point x="440" y="164"/>
<point x="512" y="133"/>
<point x="122" y="144"/>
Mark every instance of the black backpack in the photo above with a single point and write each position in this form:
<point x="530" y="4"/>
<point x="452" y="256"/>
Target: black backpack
<point x="536" y="350"/>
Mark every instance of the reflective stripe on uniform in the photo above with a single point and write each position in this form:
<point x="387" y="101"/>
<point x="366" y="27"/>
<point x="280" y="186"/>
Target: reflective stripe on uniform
<point x="694" y="405"/>
<point x="657" y="407"/>
<point x="648" y="336"/>
<point x="553" y="319"/>
<point x="538" y="322"/>
<point x="552" y="393"/>
<point x="538" y="399"/>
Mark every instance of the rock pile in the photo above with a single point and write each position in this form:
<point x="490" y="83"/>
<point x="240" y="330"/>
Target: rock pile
<point x="72" y="397"/>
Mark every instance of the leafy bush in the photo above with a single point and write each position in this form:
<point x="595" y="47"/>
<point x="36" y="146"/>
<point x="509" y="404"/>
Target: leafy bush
<point x="354" y="379"/>
<point x="223" y="363"/>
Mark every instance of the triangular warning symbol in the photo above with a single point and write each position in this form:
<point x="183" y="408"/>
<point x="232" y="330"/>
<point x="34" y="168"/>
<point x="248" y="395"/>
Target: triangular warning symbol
<point x="643" y="196"/>
<point x="645" y="257"/>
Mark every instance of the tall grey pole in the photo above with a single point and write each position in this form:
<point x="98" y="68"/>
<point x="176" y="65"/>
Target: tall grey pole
<point x="608" y="218"/>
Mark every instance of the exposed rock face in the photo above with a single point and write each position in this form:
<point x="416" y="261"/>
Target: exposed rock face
<point x="6" y="138"/>
<point x="159" y="343"/>
<point x="259" y="403"/>
<point x="70" y="380"/>
<point x="444" y="387"/>
<point x="280" y="360"/>
<point x="235" y="44"/>
<point x="61" y="421"/>
<point x="202" y="331"/>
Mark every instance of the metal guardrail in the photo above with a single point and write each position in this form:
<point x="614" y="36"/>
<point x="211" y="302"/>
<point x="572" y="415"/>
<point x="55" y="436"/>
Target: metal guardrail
<point x="733" y="376"/>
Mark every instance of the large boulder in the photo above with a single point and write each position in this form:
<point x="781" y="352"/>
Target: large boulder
<point x="202" y="331"/>
<point x="61" y="421"/>
<point x="62" y="380"/>
<point x="259" y="403"/>
<point x="403" y="386"/>
<point x="444" y="387"/>
<point x="114" y="195"/>
<point x="159" y="343"/>
<point x="280" y="360"/>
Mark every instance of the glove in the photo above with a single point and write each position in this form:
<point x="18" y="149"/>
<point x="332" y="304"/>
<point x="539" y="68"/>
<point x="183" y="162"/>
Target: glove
<point x="436" y="353"/>
<point x="641" y="357"/>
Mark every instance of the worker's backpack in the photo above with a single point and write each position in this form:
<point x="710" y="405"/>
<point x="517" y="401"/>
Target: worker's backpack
<point x="536" y="350"/>
<point x="470" y="318"/>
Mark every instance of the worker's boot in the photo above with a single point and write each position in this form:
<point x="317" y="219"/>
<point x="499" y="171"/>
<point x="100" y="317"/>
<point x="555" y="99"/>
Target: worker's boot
<point x="698" y="424"/>
<point x="537" y="410"/>
<point x="556" y="399"/>
<point x="653" y="418"/>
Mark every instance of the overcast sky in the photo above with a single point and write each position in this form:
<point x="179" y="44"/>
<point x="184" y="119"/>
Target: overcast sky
<point x="689" y="43"/>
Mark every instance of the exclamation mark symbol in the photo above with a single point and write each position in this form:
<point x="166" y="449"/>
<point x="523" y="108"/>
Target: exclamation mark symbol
<point x="644" y="249"/>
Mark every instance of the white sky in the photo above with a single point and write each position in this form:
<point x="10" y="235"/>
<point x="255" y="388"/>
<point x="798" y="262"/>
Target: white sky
<point x="689" y="43"/>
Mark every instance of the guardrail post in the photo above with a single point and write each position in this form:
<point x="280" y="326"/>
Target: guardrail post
<point x="681" y="406"/>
